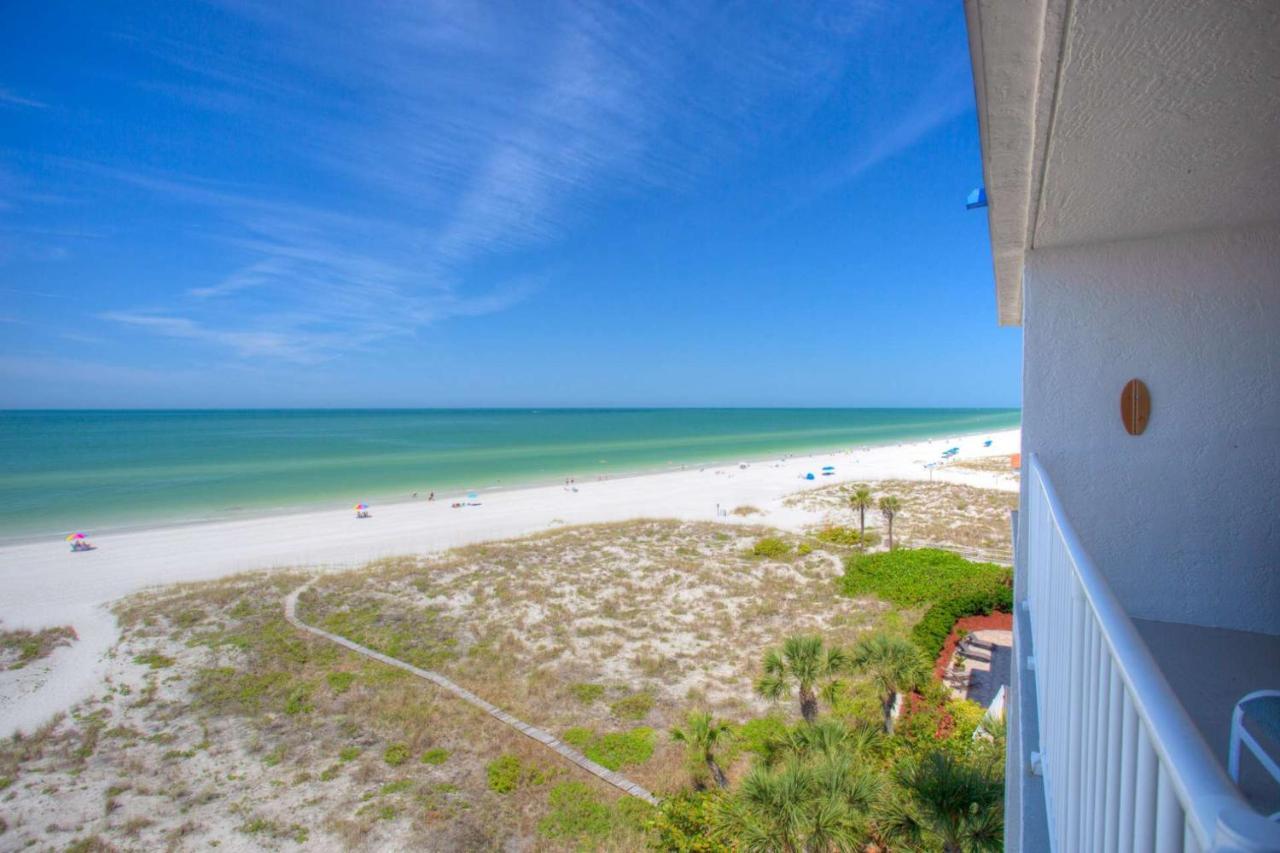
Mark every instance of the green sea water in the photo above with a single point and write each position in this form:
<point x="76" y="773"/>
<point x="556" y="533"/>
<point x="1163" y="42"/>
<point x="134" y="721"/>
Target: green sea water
<point x="98" y="470"/>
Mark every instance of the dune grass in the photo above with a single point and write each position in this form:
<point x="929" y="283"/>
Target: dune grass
<point x="21" y="647"/>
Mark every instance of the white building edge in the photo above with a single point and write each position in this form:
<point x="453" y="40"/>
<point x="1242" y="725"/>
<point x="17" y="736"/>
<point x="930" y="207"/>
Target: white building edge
<point x="1131" y="151"/>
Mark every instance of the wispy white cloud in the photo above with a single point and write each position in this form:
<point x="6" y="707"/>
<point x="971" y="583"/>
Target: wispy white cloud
<point x="486" y="133"/>
<point x="947" y="95"/>
<point x="400" y="156"/>
<point x="11" y="99"/>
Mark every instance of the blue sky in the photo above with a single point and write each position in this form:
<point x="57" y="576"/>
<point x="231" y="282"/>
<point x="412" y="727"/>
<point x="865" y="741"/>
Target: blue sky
<point x="442" y="204"/>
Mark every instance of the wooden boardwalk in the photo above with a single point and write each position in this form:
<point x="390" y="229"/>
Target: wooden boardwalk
<point x="545" y="738"/>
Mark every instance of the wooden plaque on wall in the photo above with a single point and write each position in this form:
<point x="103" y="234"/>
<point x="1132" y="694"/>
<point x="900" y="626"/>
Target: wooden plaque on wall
<point x="1135" y="406"/>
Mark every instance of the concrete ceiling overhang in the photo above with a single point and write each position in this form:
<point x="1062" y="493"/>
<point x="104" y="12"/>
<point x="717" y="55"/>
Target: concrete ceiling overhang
<point x="1121" y="119"/>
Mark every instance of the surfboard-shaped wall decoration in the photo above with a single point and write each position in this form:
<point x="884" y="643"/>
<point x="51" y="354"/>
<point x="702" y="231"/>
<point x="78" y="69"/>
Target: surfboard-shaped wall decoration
<point x="1135" y="406"/>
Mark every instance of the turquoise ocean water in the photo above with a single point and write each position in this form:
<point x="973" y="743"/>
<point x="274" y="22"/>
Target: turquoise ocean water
<point x="97" y="470"/>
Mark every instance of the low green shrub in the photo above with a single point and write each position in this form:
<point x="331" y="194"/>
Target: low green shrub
<point x="931" y="632"/>
<point x="435" y="756"/>
<point x="396" y="754"/>
<point x="686" y="823"/>
<point x="953" y="586"/>
<point x="507" y="772"/>
<point x="771" y="547"/>
<point x="578" y="736"/>
<point x="587" y="693"/>
<point x="153" y="659"/>
<point x="395" y="787"/>
<point x="616" y="750"/>
<point x="613" y="750"/>
<point x="967" y="716"/>
<point x="503" y="774"/>
<point x="910" y="577"/>
<point x="844" y="536"/>
<point x="756" y="735"/>
<point x="634" y="707"/>
<point x="340" y="682"/>
<point x="576" y="813"/>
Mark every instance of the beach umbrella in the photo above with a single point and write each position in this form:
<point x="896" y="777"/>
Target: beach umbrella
<point x="74" y="536"/>
<point x="361" y="507"/>
<point x="828" y="467"/>
<point x="472" y="496"/>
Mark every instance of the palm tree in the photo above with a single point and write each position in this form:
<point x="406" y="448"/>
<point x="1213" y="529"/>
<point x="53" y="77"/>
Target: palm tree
<point x="894" y="666"/>
<point x="826" y="738"/>
<point x="953" y="801"/>
<point x="889" y="507"/>
<point x="801" y="807"/>
<point x="862" y="501"/>
<point x="700" y="736"/>
<point x="802" y="662"/>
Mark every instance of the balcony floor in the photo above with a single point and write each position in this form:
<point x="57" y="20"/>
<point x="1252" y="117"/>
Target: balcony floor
<point x="1211" y="669"/>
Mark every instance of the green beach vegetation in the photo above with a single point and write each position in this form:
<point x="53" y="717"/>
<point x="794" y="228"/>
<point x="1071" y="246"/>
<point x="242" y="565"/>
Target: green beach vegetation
<point x="949" y="586"/>
<point x="771" y="698"/>
<point x="20" y="647"/>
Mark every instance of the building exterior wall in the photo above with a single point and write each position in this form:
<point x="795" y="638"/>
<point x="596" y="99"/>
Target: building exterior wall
<point x="1183" y="520"/>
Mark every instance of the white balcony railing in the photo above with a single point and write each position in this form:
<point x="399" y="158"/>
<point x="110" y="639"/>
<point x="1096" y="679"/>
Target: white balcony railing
<point x="1124" y="767"/>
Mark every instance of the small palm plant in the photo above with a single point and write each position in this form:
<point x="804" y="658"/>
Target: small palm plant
<point x="802" y="663"/>
<point x="862" y="501"/>
<point x="826" y="738"/>
<point x="701" y="735"/>
<point x="894" y="666"/>
<point x="949" y="802"/>
<point x="815" y="806"/>
<point x="889" y="507"/>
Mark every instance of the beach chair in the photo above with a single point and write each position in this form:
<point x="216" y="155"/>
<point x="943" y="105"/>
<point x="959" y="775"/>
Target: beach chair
<point x="1262" y="709"/>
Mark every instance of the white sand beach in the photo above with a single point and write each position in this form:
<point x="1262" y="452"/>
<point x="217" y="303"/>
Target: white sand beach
<point x="45" y="584"/>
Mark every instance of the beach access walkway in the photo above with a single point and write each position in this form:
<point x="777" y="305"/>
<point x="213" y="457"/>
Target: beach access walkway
<point x="548" y="740"/>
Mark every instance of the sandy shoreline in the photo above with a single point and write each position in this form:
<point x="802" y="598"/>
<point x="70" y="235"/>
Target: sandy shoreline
<point x="45" y="584"/>
<point x="450" y="493"/>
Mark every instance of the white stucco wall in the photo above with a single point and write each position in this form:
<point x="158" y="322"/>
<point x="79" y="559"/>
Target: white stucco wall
<point x="1185" y="519"/>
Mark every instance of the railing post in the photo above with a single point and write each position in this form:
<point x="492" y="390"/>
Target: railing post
<point x="1169" y="816"/>
<point x="1144" y="806"/>
<point x="1113" y="763"/>
<point x="1128" y="773"/>
<point x="1075" y="751"/>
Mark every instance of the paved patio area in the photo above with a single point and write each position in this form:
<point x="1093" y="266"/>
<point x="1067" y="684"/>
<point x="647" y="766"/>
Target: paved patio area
<point x="986" y="655"/>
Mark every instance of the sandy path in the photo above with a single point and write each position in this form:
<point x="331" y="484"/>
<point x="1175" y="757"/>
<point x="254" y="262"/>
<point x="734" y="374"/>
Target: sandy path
<point x="44" y="583"/>
<point x="545" y="738"/>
